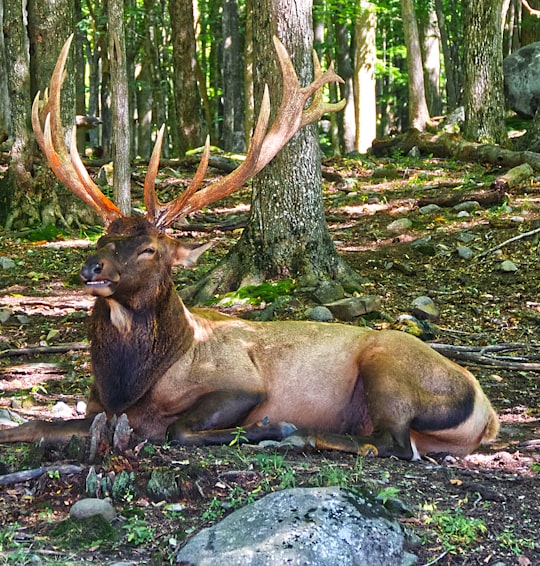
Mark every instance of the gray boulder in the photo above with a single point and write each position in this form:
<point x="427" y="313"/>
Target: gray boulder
<point x="522" y="80"/>
<point x="315" y="526"/>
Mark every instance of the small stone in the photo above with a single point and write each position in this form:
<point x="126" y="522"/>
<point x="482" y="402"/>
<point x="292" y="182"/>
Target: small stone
<point x="328" y="291"/>
<point x="90" y="507"/>
<point x="464" y="252"/>
<point x="320" y="314"/>
<point x="414" y="151"/>
<point x="463" y="214"/>
<point x="429" y="209"/>
<point x="508" y="266"/>
<point x="350" y="308"/>
<point x="6" y="262"/>
<point x="400" y="225"/>
<point x="468" y="206"/>
<point x="62" y="411"/>
<point x="81" y="408"/>
<point x="5" y="314"/>
<point x="424" y="308"/>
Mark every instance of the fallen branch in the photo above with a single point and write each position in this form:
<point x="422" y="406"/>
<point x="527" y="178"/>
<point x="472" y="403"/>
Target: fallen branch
<point x="26" y="475"/>
<point x="58" y="349"/>
<point x="486" y="356"/>
<point x="509" y="241"/>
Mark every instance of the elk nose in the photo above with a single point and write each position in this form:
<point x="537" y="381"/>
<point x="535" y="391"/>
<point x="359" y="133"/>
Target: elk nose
<point x="91" y="268"/>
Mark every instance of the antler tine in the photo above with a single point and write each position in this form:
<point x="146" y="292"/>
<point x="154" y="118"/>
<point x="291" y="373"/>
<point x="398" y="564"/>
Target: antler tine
<point x="67" y="165"/>
<point x="150" y="198"/>
<point x="265" y="143"/>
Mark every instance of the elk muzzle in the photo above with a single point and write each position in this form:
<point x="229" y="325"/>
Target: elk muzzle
<point x="98" y="276"/>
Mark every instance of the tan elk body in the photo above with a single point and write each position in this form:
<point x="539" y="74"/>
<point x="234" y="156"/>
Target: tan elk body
<point x="194" y="376"/>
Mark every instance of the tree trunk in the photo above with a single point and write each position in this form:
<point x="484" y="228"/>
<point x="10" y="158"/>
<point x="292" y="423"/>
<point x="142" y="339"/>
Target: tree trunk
<point x="344" y="68"/>
<point x="451" y="57"/>
<point x="186" y="95"/>
<point x="28" y="197"/>
<point x="483" y="87"/>
<point x="418" y="110"/>
<point x="5" y="114"/>
<point x="287" y="235"/>
<point x="232" y="70"/>
<point x="432" y="62"/>
<point x="121" y="118"/>
<point x="365" y="55"/>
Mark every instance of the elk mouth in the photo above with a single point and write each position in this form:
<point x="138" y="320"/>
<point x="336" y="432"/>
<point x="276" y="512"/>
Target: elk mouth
<point x="99" y="287"/>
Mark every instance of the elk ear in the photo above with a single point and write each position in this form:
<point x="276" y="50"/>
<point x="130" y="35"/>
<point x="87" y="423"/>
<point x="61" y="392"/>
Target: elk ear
<point x="188" y="254"/>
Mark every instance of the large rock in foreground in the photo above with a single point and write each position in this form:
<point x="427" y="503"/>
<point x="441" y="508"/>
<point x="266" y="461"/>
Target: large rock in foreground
<point x="315" y="526"/>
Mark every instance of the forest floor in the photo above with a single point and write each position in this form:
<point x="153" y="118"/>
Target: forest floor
<point x="483" y="509"/>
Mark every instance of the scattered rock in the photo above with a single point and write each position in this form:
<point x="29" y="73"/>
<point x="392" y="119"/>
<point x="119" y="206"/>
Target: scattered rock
<point x="463" y="214"/>
<point x="328" y="291"/>
<point x="62" y="411"/>
<point x="400" y="225"/>
<point x="163" y="485"/>
<point x="91" y="507"/>
<point x="464" y="252"/>
<point x="429" y="209"/>
<point x="317" y="526"/>
<point x="424" y="245"/>
<point x="507" y="266"/>
<point x="424" y="308"/>
<point x="6" y="262"/>
<point x="5" y="314"/>
<point x="320" y="314"/>
<point x="521" y="71"/>
<point x="352" y="307"/>
<point x="467" y="206"/>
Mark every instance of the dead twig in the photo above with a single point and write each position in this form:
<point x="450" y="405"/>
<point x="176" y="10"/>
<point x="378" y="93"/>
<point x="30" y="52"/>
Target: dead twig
<point x="506" y="242"/>
<point x="26" y="475"/>
<point x="486" y="356"/>
<point x="58" y="349"/>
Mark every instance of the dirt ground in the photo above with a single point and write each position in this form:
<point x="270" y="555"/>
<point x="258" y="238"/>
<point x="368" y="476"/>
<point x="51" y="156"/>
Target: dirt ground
<point x="483" y="509"/>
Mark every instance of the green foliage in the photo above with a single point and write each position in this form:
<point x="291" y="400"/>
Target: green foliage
<point x="257" y="294"/>
<point x="138" y="532"/>
<point x="456" y="531"/>
<point x="516" y="545"/>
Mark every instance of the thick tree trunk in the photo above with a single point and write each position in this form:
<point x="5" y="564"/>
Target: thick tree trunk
<point x="186" y="94"/>
<point x="482" y="62"/>
<point x="452" y="64"/>
<point x="287" y="235"/>
<point x="5" y="114"/>
<point x="418" y="110"/>
<point x="365" y="51"/>
<point x="431" y="50"/>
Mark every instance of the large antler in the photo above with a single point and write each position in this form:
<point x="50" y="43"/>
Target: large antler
<point x="67" y="165"/>
<point x="265" y="144"/>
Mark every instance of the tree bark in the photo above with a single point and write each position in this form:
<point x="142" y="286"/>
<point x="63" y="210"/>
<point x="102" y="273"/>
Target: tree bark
<point x="121" y="117"/>
<point x="5" y="114"/>
<point x="418" y="110"/>
<point x="365" y="51"/>
<point x="482" y="61"/>
<point x="186" y="94"/>
<point x="232" y="70"/>
<point x="287" y="235"/>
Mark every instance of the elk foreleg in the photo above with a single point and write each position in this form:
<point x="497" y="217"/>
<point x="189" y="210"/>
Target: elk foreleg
<point x="52" y="432"/>
<point x="218" y="417"/>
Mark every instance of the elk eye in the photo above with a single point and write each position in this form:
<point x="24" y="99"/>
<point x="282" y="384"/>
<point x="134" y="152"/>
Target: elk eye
<point x="147" y="252"/>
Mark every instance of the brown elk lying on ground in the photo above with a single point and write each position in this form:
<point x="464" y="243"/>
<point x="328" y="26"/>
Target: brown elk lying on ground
<point x="195" y="376"/>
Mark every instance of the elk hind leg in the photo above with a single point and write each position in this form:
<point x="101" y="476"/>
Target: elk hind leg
<point x="218" y="417"/>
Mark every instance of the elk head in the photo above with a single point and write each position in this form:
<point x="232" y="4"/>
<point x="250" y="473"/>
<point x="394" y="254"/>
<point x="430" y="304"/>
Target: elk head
<point x="265" y="144"/>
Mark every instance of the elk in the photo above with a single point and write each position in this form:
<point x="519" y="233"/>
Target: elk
<point x="195" y="376"/>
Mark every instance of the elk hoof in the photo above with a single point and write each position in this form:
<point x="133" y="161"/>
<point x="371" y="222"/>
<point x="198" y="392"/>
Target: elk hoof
<point x="368" y="451"/>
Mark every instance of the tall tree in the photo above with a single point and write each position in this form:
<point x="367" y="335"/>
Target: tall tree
<point x="287" y="234"/>
<point x="418" y="109"/>
<point x="365" y="52"/>
<point x="482" y="63"/>
<point x="5" y="113"/>
<point x="232" y="70"/>
<point x="121" y="117"/>
<point x="186" y="94"/>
